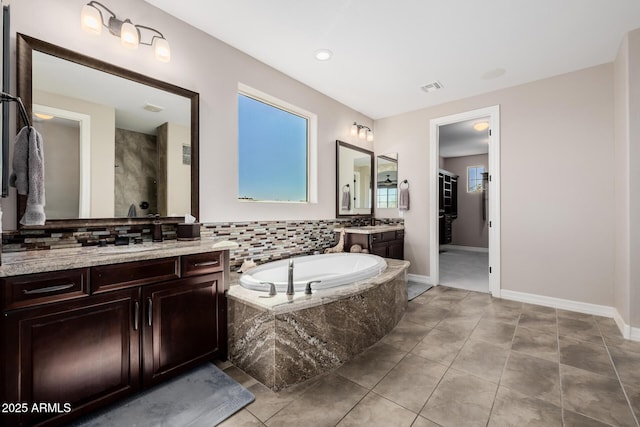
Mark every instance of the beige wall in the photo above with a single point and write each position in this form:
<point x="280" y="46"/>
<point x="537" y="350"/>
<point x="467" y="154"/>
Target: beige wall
<point x="213" y="69"/>
<point x="469" y="229"/>
<point x="557" y="177"/>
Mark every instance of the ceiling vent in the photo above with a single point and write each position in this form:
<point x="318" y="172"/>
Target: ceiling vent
<point x="153" y="108"/>
<point x="432" y="87"/>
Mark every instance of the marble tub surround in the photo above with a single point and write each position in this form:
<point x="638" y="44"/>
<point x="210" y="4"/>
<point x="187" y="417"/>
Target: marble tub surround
<point x="284" y="340"/>
<point x="27" y="262"/>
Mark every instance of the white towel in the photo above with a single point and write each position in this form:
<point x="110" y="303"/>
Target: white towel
<point x="346" y="200"/>
<point x="403" y="199"/>
<point x="28" y="174"/>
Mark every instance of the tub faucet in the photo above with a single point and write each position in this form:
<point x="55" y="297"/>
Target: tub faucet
<point x="290" y="278"/>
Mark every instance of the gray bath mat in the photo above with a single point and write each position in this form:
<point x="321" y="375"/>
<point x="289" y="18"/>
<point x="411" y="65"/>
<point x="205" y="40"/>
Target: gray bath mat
<point x="205" y="396"/>
<point x="415" y="289"/>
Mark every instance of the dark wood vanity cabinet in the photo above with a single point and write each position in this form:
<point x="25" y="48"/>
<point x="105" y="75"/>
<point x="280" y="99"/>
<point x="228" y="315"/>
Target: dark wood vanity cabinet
<point x="106" y="339"/>
<point x="180" y="326"/>
<point x="387" y="244"/>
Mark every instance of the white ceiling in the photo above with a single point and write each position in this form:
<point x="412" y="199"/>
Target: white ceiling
<point x="128" y="98"/>
<point x="384" y="51"/>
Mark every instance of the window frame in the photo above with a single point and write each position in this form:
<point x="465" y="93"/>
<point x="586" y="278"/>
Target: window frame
<point x="312" y="141"/>
<point x="484" y="169"/>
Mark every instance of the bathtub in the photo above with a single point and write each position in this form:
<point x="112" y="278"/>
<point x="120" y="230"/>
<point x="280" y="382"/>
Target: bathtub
<point x="331" y="269"/>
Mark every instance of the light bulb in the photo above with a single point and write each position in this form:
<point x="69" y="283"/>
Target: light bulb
<point x="129" y="35"/>
<point x="369" y="136"/>
<point x="354" y="129"/>
<point x="362" y="134"/>
<point x="162" y="50"/>
<point x="91" y="20"/>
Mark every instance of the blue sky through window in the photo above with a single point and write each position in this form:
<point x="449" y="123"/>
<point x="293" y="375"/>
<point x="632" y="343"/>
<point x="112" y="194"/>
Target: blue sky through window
<point x="272" y="153"/>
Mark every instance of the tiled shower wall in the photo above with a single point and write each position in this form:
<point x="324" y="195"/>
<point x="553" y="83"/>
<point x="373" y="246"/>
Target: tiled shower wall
<point x="260" y="241"/>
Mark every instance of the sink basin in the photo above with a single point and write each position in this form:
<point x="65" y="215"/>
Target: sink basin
<point x="124" y="249"/>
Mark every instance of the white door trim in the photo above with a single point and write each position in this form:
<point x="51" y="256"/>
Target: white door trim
<point x="84" y="122"/>
<point x="494" y="198"/>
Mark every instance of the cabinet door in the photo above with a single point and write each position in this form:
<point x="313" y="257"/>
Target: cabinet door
<point x="181" y="325"/>
<point x="82" y="352"/>
<point x="380" y="249"/>
<point x="396" y="249"/>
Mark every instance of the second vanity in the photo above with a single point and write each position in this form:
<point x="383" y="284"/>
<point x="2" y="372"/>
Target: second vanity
<point x="82" y="328"/>
<point x="386" y="241"/>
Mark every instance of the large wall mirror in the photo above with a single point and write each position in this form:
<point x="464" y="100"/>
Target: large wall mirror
<point x="387" y="181"/>
<point x="354" y="180"/>
<point x="119" y="146"/>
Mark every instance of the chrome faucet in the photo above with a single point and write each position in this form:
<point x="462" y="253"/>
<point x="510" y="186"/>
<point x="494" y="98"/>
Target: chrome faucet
<point x="290" y="278"/>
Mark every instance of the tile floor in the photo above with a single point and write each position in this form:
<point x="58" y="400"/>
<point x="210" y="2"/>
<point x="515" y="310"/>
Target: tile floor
<point x="460" y="358"/>
<point x="464" y="269"/>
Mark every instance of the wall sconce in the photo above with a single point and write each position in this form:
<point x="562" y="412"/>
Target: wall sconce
<point x="92" y="21"/>
<point x="363" y="132"/>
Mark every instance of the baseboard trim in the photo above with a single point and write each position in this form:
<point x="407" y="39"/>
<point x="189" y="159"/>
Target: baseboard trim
<point x="627" y="331"/>
<point x="419" y="278"/>
<point x="465" y="248"/>
<point x="563" y="304"/>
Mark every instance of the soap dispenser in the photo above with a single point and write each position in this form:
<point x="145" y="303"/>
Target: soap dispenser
<point x="157" y="230"/>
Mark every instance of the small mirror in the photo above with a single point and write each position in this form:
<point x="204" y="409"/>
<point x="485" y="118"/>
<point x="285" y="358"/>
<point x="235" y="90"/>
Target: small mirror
<point x="354" y="180"/>
<point x="387" y="181"/>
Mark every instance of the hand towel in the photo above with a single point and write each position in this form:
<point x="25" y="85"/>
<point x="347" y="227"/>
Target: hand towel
<point x="403" y="199"/>
<point x="28" y="174"/>
<point x="346" y="200"/>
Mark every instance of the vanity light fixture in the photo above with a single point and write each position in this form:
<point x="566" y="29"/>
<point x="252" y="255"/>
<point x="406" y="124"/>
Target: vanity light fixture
<point x="363" y="132"/>
<point x="480" y="126"/>
<point x="92" y="21"/>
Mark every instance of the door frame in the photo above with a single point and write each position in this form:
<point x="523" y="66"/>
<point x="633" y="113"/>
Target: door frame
<point x="493" y="113"/>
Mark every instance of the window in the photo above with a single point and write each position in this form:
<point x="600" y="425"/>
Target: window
<point x="474" y="179"/>
<point x="387" y="197"/>
<point x="276" y="149"/>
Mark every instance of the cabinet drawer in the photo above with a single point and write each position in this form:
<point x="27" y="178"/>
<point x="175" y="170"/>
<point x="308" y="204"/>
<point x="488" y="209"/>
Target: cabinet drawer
<point x="205" y="263"/>
<point x="40" y="288"/>
<point x="118" y="276"/>
<point x="383" y="237"/>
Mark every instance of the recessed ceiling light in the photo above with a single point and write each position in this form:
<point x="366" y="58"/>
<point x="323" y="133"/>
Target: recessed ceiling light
<point x="323" y="54"/>
<point x="494" y="74"/>
<point x="43" y="116"/>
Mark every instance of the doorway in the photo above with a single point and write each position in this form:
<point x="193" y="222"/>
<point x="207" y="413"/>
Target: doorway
<point x="465" y="227"/>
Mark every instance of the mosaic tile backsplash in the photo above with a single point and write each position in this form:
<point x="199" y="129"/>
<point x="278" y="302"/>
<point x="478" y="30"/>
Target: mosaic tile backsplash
<point x="260" y="241"/>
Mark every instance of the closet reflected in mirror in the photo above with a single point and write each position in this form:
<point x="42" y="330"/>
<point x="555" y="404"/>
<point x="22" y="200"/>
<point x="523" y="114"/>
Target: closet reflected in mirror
<point x="387" y="181"/>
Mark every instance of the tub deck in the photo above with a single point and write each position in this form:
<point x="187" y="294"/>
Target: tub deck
<point x="284" y="340"/>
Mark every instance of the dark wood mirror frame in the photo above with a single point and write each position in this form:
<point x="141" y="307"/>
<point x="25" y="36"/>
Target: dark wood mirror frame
<point x="24" y="49"/>
<point x="338" y="185"/>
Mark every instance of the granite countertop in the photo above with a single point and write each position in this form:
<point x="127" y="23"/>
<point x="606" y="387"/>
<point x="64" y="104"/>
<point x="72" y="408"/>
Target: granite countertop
<point x="369" y="229"/>
<point x="27" y="262"/>
<point x="282" y="303"/>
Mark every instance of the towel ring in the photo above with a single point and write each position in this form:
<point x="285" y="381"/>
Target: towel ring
<point x="345" y="188"/>
<point x="404" y="182"/>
